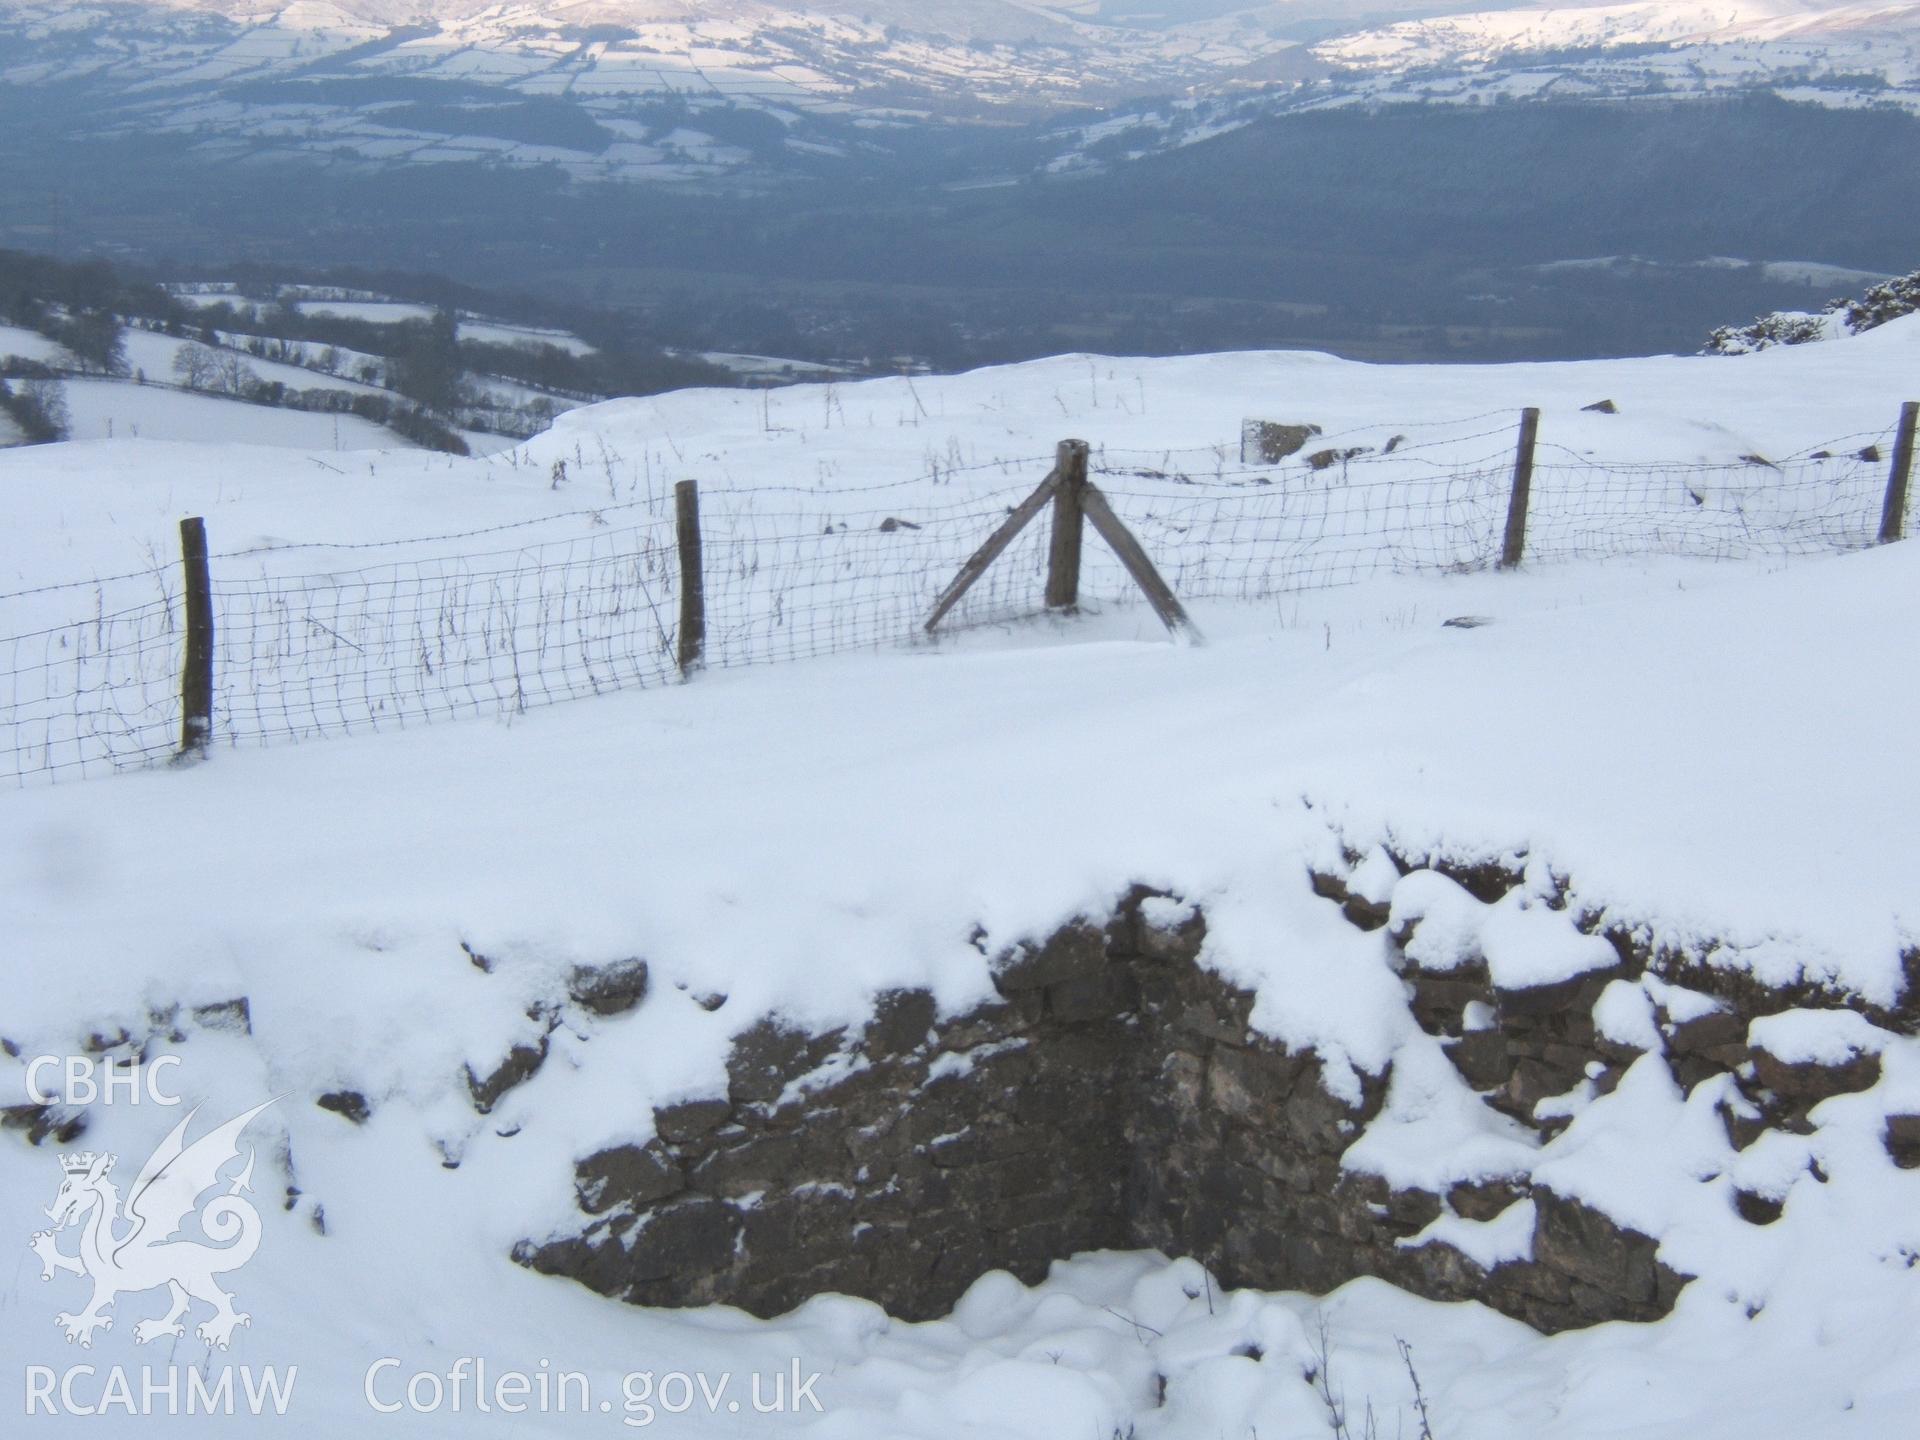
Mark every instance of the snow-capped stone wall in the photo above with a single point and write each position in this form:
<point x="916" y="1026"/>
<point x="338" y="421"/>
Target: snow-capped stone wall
<point x="899" y="1162"/>
<point x="1574" y="1119"/>
<point x="1119" y="1094"/>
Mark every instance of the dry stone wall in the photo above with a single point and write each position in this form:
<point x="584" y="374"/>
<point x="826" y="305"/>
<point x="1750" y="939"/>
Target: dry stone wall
<point x="1116" y="1095"/>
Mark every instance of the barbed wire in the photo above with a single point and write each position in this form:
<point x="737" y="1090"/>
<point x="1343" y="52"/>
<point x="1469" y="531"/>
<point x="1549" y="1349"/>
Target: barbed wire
<point x="151" y="572"/>
<point x="657" y="503"/>
<point x="791" y="571"/>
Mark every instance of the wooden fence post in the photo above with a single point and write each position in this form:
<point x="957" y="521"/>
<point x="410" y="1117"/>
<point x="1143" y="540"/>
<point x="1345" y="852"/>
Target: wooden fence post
<point x="1893" y="515"/>
<point x="1063" y="569"/>
<point x="693" y="590"/>
<point x="1063" y="552"/>
<point x="1515" y="544"/>
<point x="196" y="675"/>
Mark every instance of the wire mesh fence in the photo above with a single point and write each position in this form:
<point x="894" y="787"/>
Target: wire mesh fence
<point x="510" y="617"/>
<point x="100" y="693"/>
<point x="1224" y="531"/>
<point x="792" y="584"/>
<point x="411" y="641"/>
<point x="1805" y="506"/>
<point x="1264" y="535"/>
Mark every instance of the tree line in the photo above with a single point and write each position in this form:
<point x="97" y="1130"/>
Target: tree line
<point x="84" y="306"/>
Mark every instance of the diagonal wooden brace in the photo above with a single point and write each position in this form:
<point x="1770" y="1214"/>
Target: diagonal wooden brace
<point x="977" y="565"/>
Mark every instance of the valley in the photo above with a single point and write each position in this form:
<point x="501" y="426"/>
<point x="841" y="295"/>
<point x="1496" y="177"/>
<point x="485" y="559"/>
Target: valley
<point x="972" y="183"/>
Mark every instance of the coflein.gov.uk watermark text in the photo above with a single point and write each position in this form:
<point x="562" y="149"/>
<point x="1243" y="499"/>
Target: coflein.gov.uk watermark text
<point x="470" y="1386"/>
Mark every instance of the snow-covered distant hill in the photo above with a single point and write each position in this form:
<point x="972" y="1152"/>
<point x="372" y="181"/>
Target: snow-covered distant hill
<point x="669" y="91"/>
<point x="1853" y="56"/>
<point x="1489" y="34"/>
<point x="1845" y="54"/>
<point x="605" y="91"/>
<point x="962" y="19"/>
<point x="966" y="56"/>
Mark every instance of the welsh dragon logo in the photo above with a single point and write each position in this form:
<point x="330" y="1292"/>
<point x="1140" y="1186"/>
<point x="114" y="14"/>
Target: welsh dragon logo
<point x="124" y="1253"/>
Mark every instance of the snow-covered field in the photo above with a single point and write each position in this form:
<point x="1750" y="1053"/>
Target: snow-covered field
<point x="153" y="355"/>
<point x="374" y="312"/>
<point x="28" y="345"/>
<point x="1714" y="749"/>
<point x="119" y="410"/>
<point x="772" y="367"/>
<point x="110" y="409"/>
<point x="152" y="404"/>
<point x="494" y="332"/>
<point x="941" y="440"/>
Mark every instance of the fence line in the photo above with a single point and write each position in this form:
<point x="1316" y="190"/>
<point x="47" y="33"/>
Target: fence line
<point x="301" y="649"/>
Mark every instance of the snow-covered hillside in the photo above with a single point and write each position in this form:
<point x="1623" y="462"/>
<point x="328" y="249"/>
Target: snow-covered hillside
<point x="1490" y="34"/>
<point x="234" y="384"/>
<point x="765" y="89"/>
<point x="1709" y="749"/>
<point x="963" y="59"/>
<point x="845" y="446"/>
<point x="1848" y="56"/>
<point x="103" y="408"/>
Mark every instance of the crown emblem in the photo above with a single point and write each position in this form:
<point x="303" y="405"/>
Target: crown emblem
<point x="82" y="1163"/>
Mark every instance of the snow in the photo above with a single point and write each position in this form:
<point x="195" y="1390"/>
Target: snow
<point x="958" y="1063"/>
<point x="1484" y="35"/>
<point x="1624" y="1014"/>
<point x="375" y="312"/>
<point x="497" y="333"/>
<point x="1507" y="1236"/>
<point x="771" y="365"/>
<point x="1816" y="1037"/>
<point x="1527" y="944"/>
<point x="795" y="64"/>
<point x="1164" y="913"/>
<point x="1697" y="749"/>
<point x="1374" y="878"/>
<point x="1813" y="272"/>
<point x="1445" y="920"/>
<point x="1677" y="1003"/>
<point x="121" y="410"/>
<point x="769" y="56"/>
<point x="152" y="355"/>
<point x="31" y="345"/>
<point x="1624" y="1157"/>
<point x="1433" y="1132"/>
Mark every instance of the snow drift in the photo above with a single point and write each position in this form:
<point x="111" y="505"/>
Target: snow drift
<point x="1702" y="756"/>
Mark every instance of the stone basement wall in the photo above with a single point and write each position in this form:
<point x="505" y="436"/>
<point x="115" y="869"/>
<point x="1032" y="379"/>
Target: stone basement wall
<point x="900" y="1162"/>
<point x="1115" y="1096"/>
